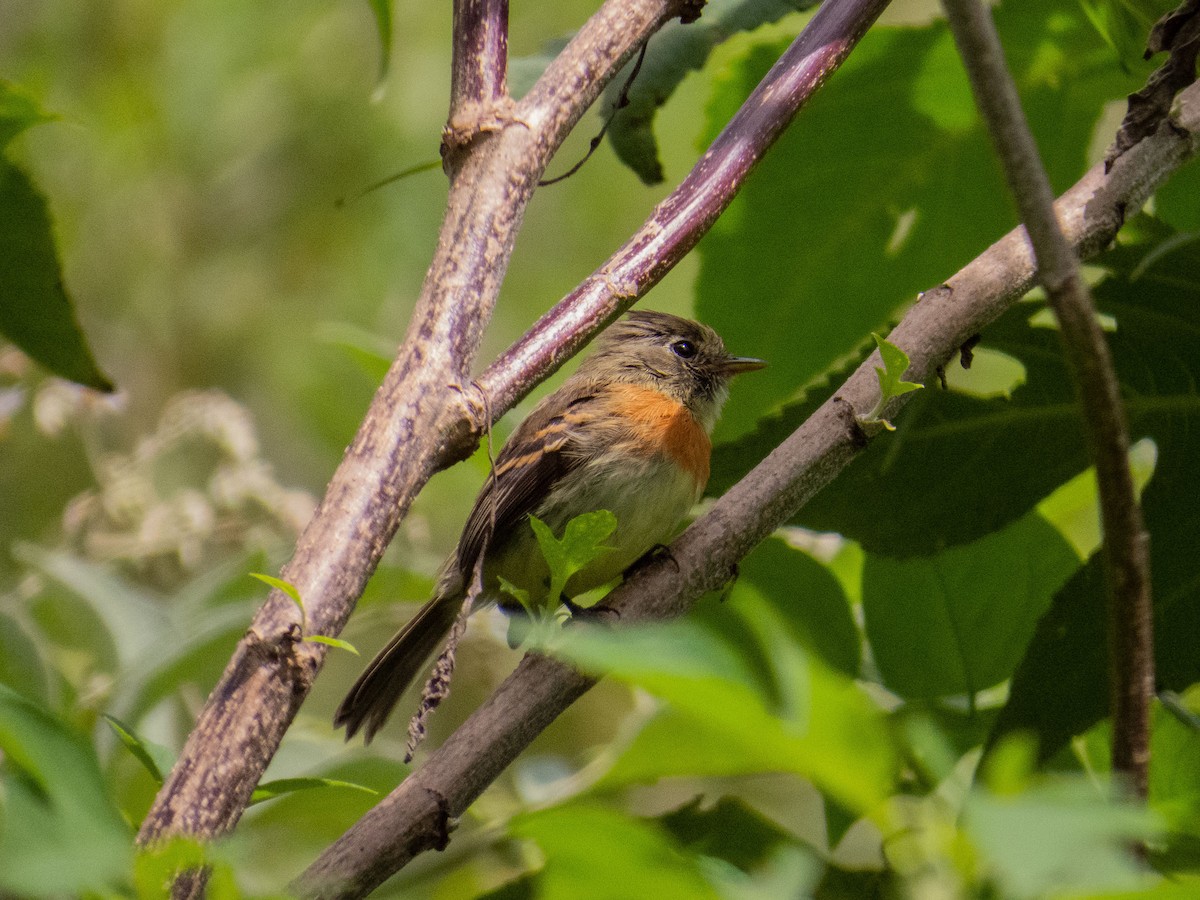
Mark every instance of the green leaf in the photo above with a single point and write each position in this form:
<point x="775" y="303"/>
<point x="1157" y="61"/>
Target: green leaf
<point x="959" y="622"/>
<point x="35" y="312"/>
<point x="127" y="614"/>
<point x="1060" y="689"/>
<point x="725" y="719"/>
<point x="674" y="51"/>
<point x="860" y="205"/>
<point x="1175" y="202"/>
<point x="519" y="594"/>
<point x="271" y="789"/>
<point x="279" y="584"/>
<point x="156" y="758"/>
<point x="367" y="350"/>
<point x="728" y="829"/>
<point x="891" y="382"/>
<point x="18" y="111"/>
<point x="582" y="541"/>
<point x="382" y="10"/>
<point x="1175" y="774"/>
<point x="1125" y="24"/>
<point x="21" y="666"/>
<point x="59" y="832"/>
<point x="1064" y="833"/>
<point x="155" y="868"/>
<point x="802" y="593"/>
<point x="594" y="852"/>
<point x="332" y="642"/>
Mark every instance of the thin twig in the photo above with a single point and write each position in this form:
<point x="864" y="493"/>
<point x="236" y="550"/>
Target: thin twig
<point x="1126" y="544"/>
<point x="594" y="144"/>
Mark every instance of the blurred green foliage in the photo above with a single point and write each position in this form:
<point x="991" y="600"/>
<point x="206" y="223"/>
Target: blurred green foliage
<point x="818" y="730"/>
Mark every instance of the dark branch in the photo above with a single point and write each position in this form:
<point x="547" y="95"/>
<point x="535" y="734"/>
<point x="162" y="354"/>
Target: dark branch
<point x="594" y="143"/>
<point x="1126" y="544"/>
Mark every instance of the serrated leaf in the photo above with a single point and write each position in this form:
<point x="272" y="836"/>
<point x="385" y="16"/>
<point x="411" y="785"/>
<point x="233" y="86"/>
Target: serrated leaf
<point x="332" y="642"/>
<point x="891" y="381"/>
<point x="35" y="312"/>
<point x="895" y="364"/>
<point x="582" y="541"/>
<point x="271" y="789"/>
<point x="154" y="757"/>
<point x="672" y="53"/>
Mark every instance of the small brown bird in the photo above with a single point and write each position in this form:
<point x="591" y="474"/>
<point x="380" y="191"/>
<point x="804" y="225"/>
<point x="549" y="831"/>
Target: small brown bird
<point x="628" y="432"/>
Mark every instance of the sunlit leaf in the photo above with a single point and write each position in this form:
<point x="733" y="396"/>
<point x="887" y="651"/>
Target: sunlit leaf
<point x="590" y="850"/>
<point x="333" y="642"/>
<point x="723" y="719"/>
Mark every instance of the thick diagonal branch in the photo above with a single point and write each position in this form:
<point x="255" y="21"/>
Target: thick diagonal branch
<point x="1126" y="544"/>
<point x="415" y="816"/>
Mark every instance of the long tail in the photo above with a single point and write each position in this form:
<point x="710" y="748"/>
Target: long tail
<point x="370" y="701"/>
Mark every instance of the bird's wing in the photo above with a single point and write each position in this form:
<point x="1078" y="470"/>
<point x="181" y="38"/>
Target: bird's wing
<point x="531" y="461"/>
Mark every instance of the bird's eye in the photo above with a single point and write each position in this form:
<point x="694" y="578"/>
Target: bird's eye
<point x="684" y="349"/>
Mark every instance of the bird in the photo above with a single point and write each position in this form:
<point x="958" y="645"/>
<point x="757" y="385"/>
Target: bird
<point x="628" y="432"/>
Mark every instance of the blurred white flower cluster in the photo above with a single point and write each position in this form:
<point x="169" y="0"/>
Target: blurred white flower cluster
<point x="189" y="493"/>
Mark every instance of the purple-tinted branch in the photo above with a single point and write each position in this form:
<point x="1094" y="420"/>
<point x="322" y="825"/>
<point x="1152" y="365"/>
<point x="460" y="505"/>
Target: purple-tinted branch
<point x="479" y="72"/>
<point x="1126" y="544"/>
<point x="680" y="220"/>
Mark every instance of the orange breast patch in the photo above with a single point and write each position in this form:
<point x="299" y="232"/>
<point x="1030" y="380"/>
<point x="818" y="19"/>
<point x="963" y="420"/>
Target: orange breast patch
<point x="667" y="425"/>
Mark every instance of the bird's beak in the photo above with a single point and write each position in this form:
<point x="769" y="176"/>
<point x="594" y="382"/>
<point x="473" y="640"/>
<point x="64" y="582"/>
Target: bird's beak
<point x="735" y="365"/>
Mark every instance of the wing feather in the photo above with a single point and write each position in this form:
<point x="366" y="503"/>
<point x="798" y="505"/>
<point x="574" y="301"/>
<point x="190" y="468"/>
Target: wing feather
<point x="536" y="456"/>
